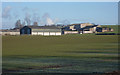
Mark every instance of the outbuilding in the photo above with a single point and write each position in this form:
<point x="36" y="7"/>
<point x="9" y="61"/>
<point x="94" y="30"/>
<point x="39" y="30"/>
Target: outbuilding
<point x="25" y="30"/>
<point x="40" y="30"/>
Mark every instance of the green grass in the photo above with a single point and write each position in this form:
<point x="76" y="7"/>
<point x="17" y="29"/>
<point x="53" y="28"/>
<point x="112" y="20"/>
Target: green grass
<point x="70" y="53"/>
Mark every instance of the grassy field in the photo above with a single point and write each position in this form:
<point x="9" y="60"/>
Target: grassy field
<point x="85" y="53"/>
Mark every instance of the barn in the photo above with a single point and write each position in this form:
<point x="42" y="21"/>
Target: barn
<point x="25" y="30"/>
<point x="10" y="32"/>
<point x="40" y="30"/>
<point x="91" y="29"/>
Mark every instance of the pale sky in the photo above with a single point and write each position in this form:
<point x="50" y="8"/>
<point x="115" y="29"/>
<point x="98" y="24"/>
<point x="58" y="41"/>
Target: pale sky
<point x="59" y="12"/>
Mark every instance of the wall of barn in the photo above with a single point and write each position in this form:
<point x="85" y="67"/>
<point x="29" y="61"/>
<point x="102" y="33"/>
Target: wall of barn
<point x="87" y="31"/>
<point x="46" y="33"/>
<point x="10" y="33"/>
<point x="71" y="32"/>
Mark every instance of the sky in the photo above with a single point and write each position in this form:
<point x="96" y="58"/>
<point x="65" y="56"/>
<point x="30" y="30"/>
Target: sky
<point x="48" y="13"/>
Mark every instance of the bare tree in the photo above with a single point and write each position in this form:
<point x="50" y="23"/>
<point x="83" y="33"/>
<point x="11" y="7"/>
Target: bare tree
<point x="35" y="24"/>
<point x="23" y="23"/>
<point x="28" y="21"/>
<point x="18" y="24"/>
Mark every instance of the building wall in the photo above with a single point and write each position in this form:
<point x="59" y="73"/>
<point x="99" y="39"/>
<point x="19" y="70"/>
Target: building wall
<point x="25" y="30"/>
<point x="87" y="31"/>
<point x="40" y="33"/>
<point x="46" y="33"/>
<point x="34" y="33"/>
<point x="93" y="29"/>
<point x="72" y="27"/>
<point x="75" y="27"/>
<point x="107" y="30"/>
<point x="98" y="29"/>
<point x="70" y="32"/>
<point x="58" y="33"/>
<point x="10" y="33"/>
<point x="112" y="30"/>
<point x="52" y="33"/>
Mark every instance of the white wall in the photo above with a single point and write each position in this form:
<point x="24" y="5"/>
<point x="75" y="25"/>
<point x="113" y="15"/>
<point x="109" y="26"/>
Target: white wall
<point x="70" y="32"/>
<point x="10" y="33"/>
<point x="40" y="33"/>
<point x="52" y="33"/>
<point x="34" y="33"/>
<point x="87" y="31"/>
<point x="46" y="33"/>
<point x="58" y="33"/>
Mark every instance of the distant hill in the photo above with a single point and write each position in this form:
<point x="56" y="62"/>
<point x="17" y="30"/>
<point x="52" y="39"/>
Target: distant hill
<point x="115" y="27"/>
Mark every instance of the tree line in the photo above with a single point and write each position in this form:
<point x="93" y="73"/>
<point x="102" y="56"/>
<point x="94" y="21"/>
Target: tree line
<point x="20" y="24"/>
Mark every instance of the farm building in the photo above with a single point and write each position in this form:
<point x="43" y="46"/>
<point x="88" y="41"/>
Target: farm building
<point x="40" y="30"/>
<point x="78" y="26"/>
<point x="105" y="29"/>
<point x="91" y="29"/>
<point x="75" y="26"/>
<point x="86" y="24"/>
<point x="10" y="32"/>
<point x="57" y="30"/>
<point x="84" y="28"/>
<point x="71" y="32"/>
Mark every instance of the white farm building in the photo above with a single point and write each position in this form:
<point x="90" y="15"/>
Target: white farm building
<point x="10" y="32"/>
<point x="57" y="30"/>
<point x="40" y="30"/>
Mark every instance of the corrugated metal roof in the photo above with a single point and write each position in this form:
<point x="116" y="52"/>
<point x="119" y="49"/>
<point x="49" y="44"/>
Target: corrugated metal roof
<point x="46" y="30"/>
<point x="43" y="27"/>
<point x="12" y="30"/>
<point x="87" y="27"/>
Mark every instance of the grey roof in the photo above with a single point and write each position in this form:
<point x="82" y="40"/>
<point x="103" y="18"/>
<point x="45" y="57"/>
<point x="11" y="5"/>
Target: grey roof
<point x="87" y="27"/>
<point x="11" y="30"/>
<point x="43" y="27"/>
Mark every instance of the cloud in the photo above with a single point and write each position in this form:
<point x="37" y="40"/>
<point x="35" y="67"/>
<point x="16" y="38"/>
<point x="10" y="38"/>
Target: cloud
<point x="27" y="15"/>
<point x="35" y="17"/>
<point x="7" y="12"/>
<point x="27" y="18"/>
<point x="47" y="20"/>
<point x="31" y="15"/>
<point x="56" y="20"/>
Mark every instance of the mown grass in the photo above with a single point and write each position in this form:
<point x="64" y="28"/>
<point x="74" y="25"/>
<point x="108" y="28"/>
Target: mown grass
<point x="70" y="53"/>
